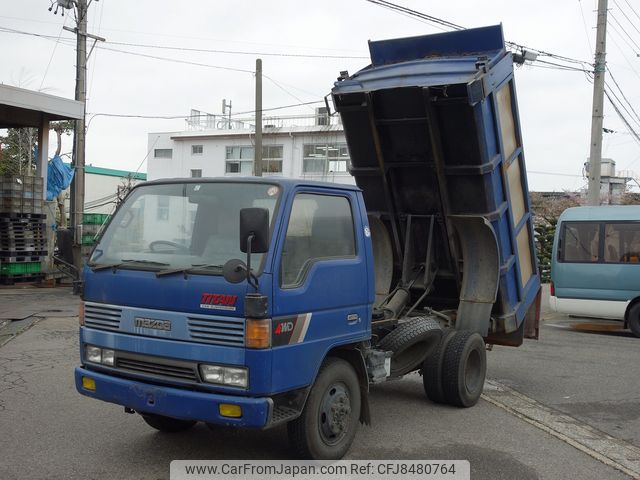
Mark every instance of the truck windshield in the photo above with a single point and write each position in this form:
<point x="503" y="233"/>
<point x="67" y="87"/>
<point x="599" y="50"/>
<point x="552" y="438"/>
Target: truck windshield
<point x="182" y="225"/>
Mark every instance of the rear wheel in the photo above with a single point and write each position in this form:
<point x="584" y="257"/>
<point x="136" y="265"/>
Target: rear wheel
<point x="411" y="342"/>
<point x="633" y="320"/>
<point x="432" y="369"/>
<point x="464" y="369"/>
<point x="329" y="421"/>
<point x="167" y="424"/>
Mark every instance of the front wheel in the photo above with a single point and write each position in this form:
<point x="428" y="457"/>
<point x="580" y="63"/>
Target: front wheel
<point x="329" y="421"/>
<point x="167" y="424"/>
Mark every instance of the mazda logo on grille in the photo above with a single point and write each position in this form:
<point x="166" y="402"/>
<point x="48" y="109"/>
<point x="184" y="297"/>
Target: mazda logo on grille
<point x="153" y="323"/>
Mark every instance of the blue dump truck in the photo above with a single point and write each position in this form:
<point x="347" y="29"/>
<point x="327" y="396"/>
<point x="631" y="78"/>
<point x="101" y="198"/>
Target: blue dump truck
<point x="258" y="302"/>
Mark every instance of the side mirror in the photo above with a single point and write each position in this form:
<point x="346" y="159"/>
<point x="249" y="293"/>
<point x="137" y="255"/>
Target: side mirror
<point x="234" y="271"/>
<point x="254" y="223"/>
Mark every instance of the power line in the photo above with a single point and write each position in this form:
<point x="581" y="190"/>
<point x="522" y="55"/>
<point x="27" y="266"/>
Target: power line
<point x="235" y="52"/>
<point x="632" y="9"/>
<point x="623" y="118"/>
<point x="175" y="60"/>
<point x="623" y="95"/>
<point x="625" y="16"/>
<point x="53" y="52"/>
<point x="586" y="30"/>
<point x="624" y="39"/>
<point x="625" y="31"/>
<point x="177" y="117"/>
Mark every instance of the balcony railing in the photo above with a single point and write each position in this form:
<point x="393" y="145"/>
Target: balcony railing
<point x="218" y="122"/>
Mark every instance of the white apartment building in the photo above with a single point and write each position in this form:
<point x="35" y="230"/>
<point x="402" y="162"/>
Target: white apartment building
<point x="300" y="146"/>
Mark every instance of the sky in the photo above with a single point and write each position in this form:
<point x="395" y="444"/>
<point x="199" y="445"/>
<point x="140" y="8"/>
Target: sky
<point x="555" y="105"/>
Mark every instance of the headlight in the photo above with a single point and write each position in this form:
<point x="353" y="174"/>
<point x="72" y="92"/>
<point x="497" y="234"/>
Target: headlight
<point x="108" y="357"/>
<point x="93" y="354"/>
<point x="103" y="356"/>
<point x="232" y="376"/>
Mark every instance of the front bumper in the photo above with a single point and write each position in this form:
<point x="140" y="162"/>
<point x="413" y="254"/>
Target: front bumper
<point x="174" y="402"/>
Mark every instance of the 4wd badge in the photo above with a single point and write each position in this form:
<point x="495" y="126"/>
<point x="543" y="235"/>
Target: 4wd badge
<point x="216" y="301"/>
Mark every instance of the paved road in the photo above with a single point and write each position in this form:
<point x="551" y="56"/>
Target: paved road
<point x="49" y="431"/>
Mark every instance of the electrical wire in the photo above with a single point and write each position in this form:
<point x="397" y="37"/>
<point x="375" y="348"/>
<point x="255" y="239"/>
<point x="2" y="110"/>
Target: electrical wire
<point x="611" y="15"/>
<point x="632" y="9"/>
<point x="634" y="134"/>
<point x="236" y="52"/>
<point x="586" y="30"/>
<point x="623" y="95"/>
<point x="53" y="52"/>
<point x="625" y="16"/>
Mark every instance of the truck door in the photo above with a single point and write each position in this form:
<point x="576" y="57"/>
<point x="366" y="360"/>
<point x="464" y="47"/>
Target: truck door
<point x="321" y="283"/>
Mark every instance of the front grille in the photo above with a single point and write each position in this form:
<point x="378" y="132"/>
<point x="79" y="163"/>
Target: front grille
<point x="229" y="332"/>
<point x="176" y="370"/>
<point x="102" y="317"/>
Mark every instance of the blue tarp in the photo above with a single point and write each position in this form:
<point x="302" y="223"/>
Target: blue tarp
<point x="59" y="177"/>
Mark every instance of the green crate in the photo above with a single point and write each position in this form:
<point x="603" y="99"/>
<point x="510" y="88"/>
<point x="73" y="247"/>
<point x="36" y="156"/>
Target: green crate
<point x="88" y="239"/>
<point x="95" y="218"/>
<point x="20" y="268"/>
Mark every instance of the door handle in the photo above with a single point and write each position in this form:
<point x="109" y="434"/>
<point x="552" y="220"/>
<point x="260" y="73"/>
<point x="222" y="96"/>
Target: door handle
<point x="353" y="318"/>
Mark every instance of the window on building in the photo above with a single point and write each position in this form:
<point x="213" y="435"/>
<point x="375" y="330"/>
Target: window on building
<point x="239" y="159"/>
<point x="163" y="207"/>
<point x="323" y="158"/>
<point x="320" y="227"/>
<point x="580" y="242"/>
<point x="622" y="243"/>
<point x="272" y="159"/>
<point x="163" y="153"/>
<point x="196" y="149"/>
<point x="197" y="173"/>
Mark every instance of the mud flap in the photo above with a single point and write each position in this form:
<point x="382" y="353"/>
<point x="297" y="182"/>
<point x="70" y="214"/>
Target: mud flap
<point x="480" y="272"/>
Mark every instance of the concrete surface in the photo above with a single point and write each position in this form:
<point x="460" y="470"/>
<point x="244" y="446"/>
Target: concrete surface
<point x="50" y="431"/>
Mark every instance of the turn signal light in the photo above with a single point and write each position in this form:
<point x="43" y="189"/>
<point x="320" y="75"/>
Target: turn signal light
<point x="89" y="384"/>
<point x="229" y="410"/>
<point x="258" y="333"/>
<point x="81" y="314"/>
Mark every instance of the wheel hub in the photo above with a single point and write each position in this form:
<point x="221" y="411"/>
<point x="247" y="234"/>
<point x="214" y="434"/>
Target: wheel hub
<point x="334" y="414"/>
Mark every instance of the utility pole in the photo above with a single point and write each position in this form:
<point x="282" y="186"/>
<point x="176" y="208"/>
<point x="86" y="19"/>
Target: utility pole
<point x="77" y="186"/>
<point x="600" y="66"/>
<point x="78" y="160"/>
<point x="257" y="158"/>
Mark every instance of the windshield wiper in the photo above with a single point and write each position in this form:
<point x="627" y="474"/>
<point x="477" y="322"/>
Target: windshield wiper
<point x="126" y="262"/>
<point x="200" y="266"/>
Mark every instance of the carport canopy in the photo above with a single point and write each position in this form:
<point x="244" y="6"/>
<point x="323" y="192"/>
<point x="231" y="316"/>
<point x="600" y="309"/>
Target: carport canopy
<point x="20" y="108"/>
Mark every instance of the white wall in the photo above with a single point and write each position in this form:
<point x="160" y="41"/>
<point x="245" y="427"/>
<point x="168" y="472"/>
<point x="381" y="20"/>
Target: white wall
<point x="212" y="160"/>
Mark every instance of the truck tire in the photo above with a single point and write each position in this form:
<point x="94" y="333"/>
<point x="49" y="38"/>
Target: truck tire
<point x="167" y="424"/>
<point x="633" y="319"/>
<point x="330" y="418"/>
<point x="432" y="369"/>
<point x="411" y="342"/>
<point x="464" y="369"/>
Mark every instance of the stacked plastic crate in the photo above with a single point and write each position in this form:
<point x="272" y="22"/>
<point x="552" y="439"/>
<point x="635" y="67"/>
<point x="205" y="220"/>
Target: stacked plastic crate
<point x="92" y="225"/>
<point x="23" y="239"/>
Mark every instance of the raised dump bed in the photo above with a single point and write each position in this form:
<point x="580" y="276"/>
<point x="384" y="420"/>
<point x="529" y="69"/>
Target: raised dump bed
<point x="434" y="136"/>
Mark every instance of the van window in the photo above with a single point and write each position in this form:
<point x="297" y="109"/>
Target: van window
<point x="622" y="243"/>
<point x="580" y="242"/>
<point x="320" y="227"/>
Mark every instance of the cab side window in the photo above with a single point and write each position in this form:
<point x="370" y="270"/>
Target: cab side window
<point x="320" y="227"/>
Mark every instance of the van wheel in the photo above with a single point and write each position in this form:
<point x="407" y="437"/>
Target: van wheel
<point x="432" y="369"/>
<point x="464" y="369"/>
<point x="329" y="421"/>
<point x="633" y="320"/>
<point x="167" y="424"/>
